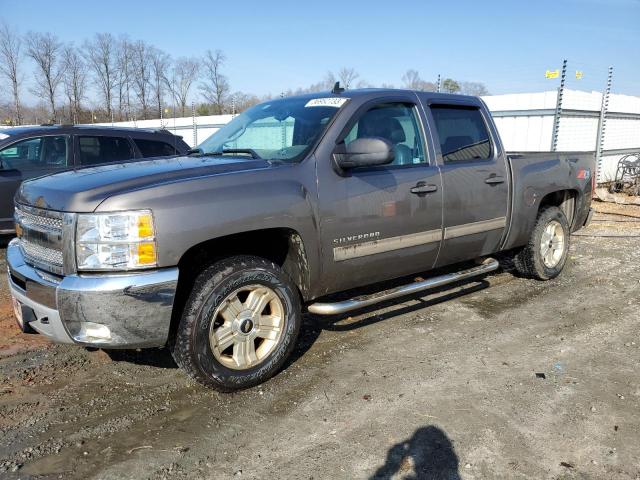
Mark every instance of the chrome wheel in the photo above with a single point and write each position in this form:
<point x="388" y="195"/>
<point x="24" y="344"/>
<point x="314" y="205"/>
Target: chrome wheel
<point x="552" y="244"/>
<point x="246" y="327"/>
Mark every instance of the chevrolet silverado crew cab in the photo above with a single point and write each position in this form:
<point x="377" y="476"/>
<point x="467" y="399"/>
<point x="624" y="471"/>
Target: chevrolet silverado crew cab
<point x="218" y="253"/>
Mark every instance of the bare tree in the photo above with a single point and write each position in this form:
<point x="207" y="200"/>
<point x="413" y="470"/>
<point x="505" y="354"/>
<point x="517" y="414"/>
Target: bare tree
<point x="74" y="80"/>
<point x="240" y="101"/>
<point x="45" y="50"/>
<point x="183" y="74"/>
<point x="142" y="74"/>
<point x="160" y="63"/>
<point x="101" y="58"/>
<point x="123" y="77"/>
<point x="215" y="87"/>
<point x="347" y="77"/>
<point x="473" y="88"/>
<point x="10" y="57"/>
<point x="412" y="80"/>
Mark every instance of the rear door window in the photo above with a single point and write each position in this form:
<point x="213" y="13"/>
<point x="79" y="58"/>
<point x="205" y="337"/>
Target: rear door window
<point x="100" y="149"/>
<point x="462" y="132"/>
<point x="38" y="153"/>
<point x="154" y="148"/>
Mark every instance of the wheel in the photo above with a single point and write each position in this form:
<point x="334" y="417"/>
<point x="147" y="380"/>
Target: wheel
<point x="545" y="254"/>
<point x="239" y="324"/>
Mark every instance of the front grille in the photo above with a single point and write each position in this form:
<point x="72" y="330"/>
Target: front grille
<point x="42" y="254"/>
<point x="40" y="234"/>
<point x="36" y="221"/>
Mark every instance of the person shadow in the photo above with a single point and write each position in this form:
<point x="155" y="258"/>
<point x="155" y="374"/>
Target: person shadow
<point x="427" y="455"/>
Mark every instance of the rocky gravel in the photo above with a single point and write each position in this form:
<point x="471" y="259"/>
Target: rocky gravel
<point x="497" y="378"/>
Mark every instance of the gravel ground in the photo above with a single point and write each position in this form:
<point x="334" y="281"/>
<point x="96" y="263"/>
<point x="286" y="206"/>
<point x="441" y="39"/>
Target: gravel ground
<point x="498" y="378"/>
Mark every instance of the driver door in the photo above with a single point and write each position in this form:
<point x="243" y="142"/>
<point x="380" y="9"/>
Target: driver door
<point x="381" y="222"/>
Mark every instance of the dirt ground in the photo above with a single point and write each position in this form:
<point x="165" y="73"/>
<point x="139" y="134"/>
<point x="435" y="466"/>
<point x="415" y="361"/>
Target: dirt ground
<point x="498" y="378"/>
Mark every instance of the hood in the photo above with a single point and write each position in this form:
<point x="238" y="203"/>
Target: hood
<point x="82" y="190"/>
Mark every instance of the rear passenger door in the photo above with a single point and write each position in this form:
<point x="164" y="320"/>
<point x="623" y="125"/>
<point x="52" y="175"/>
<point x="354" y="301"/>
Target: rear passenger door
<point x="98" y="149"/>
<point x="475" y="182"/>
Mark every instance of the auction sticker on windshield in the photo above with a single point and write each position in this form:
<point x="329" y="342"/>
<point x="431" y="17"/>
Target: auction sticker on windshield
<point x="327" y="102"/>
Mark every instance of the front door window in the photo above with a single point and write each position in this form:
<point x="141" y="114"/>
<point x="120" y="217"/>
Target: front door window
<point x="38" y="153"/>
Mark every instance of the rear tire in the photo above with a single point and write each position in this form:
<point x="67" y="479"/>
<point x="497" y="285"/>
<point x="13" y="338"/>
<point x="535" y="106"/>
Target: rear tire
<point x="239" y="325"/>
<point x="545" y="255"/>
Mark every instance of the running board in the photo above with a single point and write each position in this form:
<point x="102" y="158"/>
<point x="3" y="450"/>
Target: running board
<point x="489" y="265"/>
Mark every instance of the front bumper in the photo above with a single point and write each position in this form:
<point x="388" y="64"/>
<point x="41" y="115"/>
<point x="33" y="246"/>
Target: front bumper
<point x="125" y="310"/>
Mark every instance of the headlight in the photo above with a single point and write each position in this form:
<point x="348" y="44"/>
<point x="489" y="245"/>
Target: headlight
<point x="116" y="241"/>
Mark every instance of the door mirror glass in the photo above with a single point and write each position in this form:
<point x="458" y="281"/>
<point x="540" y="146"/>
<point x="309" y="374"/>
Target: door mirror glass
<point x="365" y="152"/>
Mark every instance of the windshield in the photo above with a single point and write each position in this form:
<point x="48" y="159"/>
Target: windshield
<point x="277" y="130"/>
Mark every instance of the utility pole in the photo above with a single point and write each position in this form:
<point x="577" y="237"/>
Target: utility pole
<point x="556" y="118"/>
<point x="602" y="123"/>
<point x="284" y="128"/>
<point x="195" y="125"/>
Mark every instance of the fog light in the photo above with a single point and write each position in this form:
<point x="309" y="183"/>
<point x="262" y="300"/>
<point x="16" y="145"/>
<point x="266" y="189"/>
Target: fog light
<point x="92" y="332"/>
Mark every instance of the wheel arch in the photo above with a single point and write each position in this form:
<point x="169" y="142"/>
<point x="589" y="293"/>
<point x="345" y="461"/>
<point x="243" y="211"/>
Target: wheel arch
<point x="565" y="199"/>
<point x="526" y="213"/>
<point x="283" y="246"/>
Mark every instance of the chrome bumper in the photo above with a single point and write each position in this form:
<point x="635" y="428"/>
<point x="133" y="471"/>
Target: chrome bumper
<point x="100" y="310"/>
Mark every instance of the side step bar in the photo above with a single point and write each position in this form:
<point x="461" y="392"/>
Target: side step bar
<point x="489" y="265"/>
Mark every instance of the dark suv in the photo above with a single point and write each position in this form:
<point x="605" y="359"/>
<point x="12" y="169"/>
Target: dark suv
<point x="28" y="152"/>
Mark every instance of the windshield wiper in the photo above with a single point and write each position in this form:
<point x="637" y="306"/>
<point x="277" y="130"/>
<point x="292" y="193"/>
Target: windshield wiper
<point x="195" y="152"/>
<point x="249" y="151"/>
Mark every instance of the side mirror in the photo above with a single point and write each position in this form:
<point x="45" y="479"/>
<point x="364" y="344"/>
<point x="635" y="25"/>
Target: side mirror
<point x="364" y="152"/>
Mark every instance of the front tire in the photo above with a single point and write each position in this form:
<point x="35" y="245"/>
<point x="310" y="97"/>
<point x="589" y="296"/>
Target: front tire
<point x="239" y="325"/>
<point x="545" y="254"/>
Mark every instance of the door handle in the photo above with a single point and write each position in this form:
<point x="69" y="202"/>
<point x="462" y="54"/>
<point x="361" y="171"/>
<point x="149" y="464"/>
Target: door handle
<point x="494" y="180"/>
<point x="421" y="188"/>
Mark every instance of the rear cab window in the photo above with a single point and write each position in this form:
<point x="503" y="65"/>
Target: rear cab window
<point x="462" y="132"/>
<point x="154" y="148"/>
<point x="94" y="150"/>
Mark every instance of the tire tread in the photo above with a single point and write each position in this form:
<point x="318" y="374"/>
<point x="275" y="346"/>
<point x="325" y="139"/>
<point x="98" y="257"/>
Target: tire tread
<point x="181" y="343"/>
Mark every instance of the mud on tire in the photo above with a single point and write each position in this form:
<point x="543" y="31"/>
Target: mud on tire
<point x="530" y="261"/>
<point x="219" y="340"/>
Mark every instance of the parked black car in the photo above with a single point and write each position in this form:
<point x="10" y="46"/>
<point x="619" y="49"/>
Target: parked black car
<point x="29" y="152"/>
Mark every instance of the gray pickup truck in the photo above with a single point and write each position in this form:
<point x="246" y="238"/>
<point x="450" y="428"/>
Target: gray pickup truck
<point x="218" y="253"/>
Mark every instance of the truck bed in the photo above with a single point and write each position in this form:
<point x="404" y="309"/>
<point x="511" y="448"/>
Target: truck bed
<point x="530" y="174"/>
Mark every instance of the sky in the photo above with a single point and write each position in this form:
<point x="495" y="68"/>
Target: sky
<point x="272" y="46"/>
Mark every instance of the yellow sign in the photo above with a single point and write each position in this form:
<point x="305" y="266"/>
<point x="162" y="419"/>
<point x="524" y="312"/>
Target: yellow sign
<point x="578" y="74"/>
<point x="552" y="74"/>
